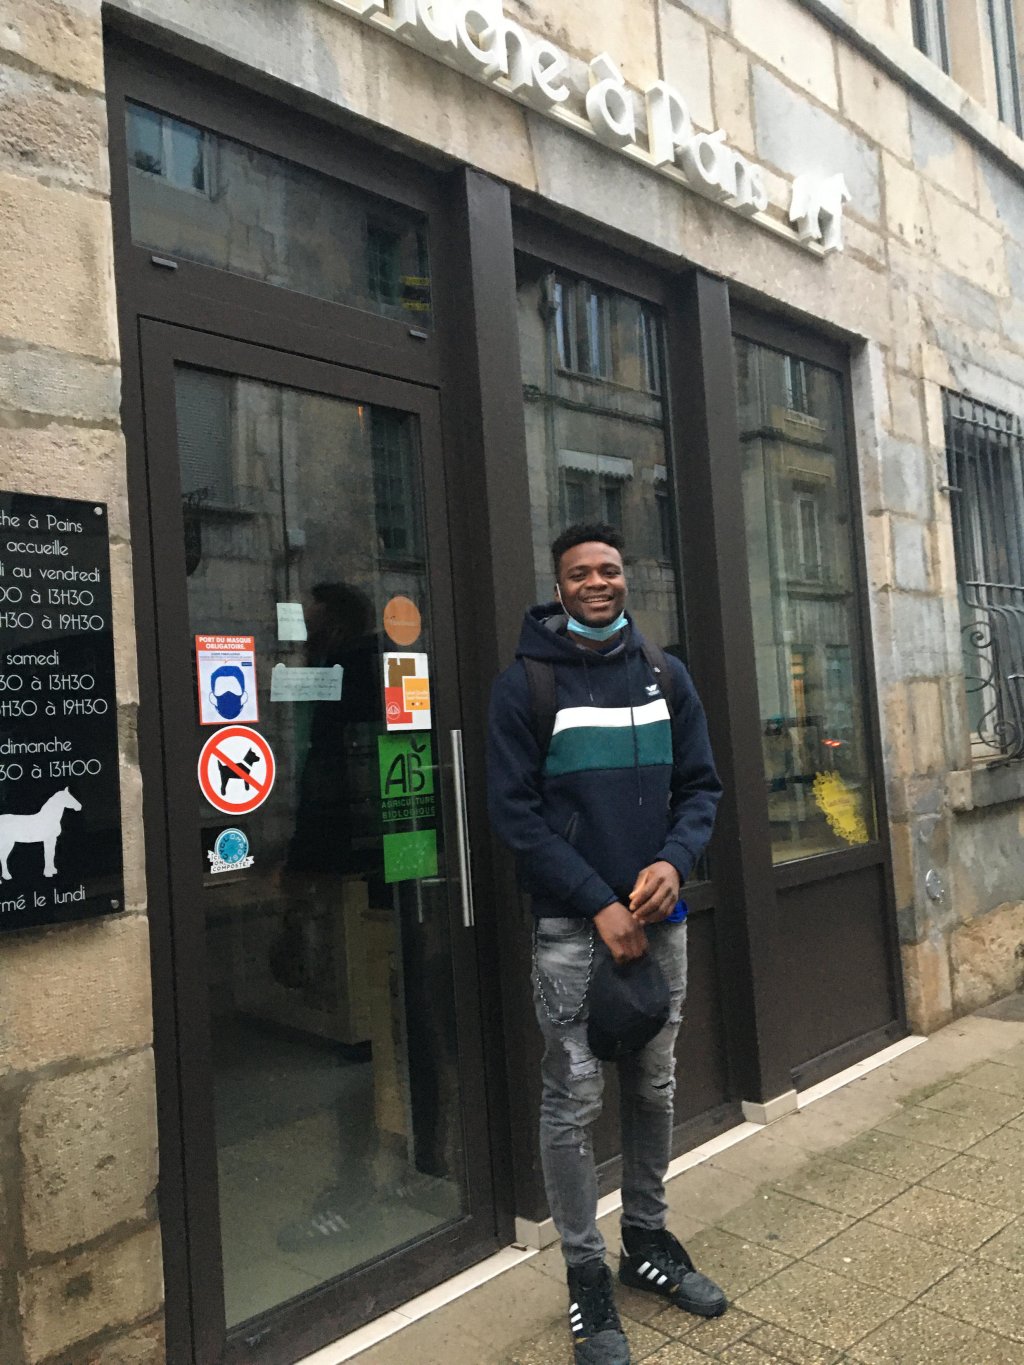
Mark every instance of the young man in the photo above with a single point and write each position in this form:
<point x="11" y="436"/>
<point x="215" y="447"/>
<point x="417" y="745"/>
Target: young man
<point x="607" y="817"/>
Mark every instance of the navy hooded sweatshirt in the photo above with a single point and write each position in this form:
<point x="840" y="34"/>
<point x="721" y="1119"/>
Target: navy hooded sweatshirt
<point x="624" y="783"/>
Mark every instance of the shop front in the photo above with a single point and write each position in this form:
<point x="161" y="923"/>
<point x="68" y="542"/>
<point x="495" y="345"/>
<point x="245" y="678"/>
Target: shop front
<point x="364" y="386"/>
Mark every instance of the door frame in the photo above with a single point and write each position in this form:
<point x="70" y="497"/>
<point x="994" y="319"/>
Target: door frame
<point x="467" y="340"/>
<point x="313" y="1321"/>
<point x="789" y="337"/>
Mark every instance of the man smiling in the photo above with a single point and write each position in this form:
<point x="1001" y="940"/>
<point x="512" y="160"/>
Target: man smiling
<point x="602" y="783"/>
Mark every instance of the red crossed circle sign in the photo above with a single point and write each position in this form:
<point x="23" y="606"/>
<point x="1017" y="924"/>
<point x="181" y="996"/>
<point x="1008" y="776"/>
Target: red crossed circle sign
<point x="236" y="769"/>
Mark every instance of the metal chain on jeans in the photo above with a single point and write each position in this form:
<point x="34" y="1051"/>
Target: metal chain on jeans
<point x="552" y="1017"/>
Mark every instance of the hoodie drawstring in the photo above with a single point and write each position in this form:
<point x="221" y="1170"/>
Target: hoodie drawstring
<point x="636" y="745"/>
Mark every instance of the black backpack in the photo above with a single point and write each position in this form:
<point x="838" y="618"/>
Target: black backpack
<point x="540" y="678"/>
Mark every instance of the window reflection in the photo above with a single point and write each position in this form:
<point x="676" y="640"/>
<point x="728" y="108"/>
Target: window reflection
<point x="805" y="605"/>
<point x="592" y="360"/>
<point x="210" y="199"/>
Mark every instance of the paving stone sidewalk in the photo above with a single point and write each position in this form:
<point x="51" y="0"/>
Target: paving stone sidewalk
<point x="881" y="1225"/>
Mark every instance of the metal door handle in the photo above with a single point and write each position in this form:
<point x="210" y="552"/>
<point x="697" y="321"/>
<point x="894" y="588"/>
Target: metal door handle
<point x="462" y="831"/>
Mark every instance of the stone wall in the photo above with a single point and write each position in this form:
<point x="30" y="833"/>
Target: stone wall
<point x="931" y="281"/>
<point x="80" y="1269"/>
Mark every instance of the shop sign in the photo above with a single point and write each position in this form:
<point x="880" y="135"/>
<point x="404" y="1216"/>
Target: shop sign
<point x="477" y="38"/>
<point x="60" y="804"/>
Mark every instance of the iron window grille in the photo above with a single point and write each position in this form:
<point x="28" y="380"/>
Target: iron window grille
<point x="985" y="457"/>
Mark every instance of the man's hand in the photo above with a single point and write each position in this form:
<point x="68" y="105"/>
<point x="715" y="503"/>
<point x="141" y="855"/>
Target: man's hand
<point x="655" y="893"/>
<point x="623" y="934"/>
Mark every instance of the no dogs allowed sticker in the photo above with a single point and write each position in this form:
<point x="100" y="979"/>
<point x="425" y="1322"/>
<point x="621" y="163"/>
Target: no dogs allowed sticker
<point x="236" y="769"/>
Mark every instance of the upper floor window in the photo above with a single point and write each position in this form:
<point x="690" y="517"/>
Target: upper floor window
<point x="606" y="335"/>
<point x="177" y="152"/>
<point x="985" y="456"/>
<point x="930" y="33"/>
<point x="1002" y="26"/>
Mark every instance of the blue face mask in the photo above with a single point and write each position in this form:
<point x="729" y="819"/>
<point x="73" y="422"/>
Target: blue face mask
<point x="596" y="632"/>
<point x="229" y="704"/>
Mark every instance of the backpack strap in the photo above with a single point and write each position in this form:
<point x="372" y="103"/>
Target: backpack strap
<point x="540" y="678"/>
<point x="657" y="662"/>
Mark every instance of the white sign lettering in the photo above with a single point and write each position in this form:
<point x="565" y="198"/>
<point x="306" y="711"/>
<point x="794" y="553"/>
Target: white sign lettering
<point x="476" y="37"/>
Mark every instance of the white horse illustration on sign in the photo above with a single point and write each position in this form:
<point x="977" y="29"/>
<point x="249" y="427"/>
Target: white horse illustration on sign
<point x="41" y="828"/>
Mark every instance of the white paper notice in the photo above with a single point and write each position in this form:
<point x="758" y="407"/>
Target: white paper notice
<point x="305" y="684"/>
<point x="291" y="622"/>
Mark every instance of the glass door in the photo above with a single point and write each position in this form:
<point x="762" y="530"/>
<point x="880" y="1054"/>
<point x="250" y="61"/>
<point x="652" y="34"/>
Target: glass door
<point x="331" y="1081"/>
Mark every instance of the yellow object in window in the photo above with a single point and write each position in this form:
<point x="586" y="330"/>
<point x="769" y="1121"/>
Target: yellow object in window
<point x="841" y="807"/>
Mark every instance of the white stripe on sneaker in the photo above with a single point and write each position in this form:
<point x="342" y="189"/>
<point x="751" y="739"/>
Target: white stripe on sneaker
<point x="644" y="1268"/>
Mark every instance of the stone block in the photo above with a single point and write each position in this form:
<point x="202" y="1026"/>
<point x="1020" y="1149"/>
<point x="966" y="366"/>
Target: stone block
<point x="104" y="960"/>
<point x="145" y="1346"/>
<point x="54" y="384"/>
<point x="73" y="1299"/>
<point x="685" y="62"/>
<point x="927" y="727"/>
<point x="927" y="985"/>
<point x="874" y="102"/>
<point x="796" y="136"/>
<point x="910" y="554"/>
<point x="628" y="33"/>
<point x="88" y="1147"/>
<point x="730" y="88"/>
<point x="1001" y="198"/>
<point x="715" y="10"/>
<point x="133" y="837"/>
<point x="790" y="39"/>
<point x="987" y="957"/>
<point x="68" y="462"/>
<point x="964" y="243"/>
<point x="901" y="842"/>
<point x="906" y="213"/>
<point x="941" y="154"/>
<point x="65" y="39"/>
<point x="905" y="420"/>
<point x="58" y="269"/>
<point x="967" y="305"/>
<point x="906" y="479"/>
<point x="919" y="632"/>
<point x="59" y="134"/>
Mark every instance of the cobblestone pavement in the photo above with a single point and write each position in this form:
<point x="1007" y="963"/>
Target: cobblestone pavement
<point x="881" y="1225"/>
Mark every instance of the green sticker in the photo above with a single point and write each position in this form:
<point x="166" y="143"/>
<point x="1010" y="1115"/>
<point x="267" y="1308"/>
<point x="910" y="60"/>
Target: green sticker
<point x="406" y="777"/>
<point x="410" y="855"/>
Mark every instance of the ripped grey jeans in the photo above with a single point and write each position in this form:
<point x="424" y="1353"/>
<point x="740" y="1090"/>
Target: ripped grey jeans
<point x="573" y="1083"/>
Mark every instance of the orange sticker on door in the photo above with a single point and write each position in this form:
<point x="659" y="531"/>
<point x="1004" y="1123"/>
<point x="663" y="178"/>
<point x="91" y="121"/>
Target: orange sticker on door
<point x="406" y="692"/>
<point x="402" y="621"/>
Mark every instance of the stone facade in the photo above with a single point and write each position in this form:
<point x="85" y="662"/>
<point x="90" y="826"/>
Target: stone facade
<point x="80" y="1276"/>
<point x="929" y="285"/>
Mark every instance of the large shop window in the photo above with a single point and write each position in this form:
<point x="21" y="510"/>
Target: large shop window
<point x="805" y="604"/>
<point x="595" y="431"/>
<point x="215" y="201"/>
<point x="985" y="456"/>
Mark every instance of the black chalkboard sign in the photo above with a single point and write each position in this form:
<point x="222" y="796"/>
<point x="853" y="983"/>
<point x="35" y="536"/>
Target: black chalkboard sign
<point x="60" y="808"/>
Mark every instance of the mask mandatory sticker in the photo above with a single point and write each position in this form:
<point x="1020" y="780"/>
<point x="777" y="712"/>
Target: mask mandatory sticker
<point x="226" y="678"/>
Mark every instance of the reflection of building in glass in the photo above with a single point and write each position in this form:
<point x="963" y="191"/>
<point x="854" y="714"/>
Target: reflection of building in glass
<point x="595" y="431"/>
<point x="220" y="203"/>
<point x="803" y="590"/>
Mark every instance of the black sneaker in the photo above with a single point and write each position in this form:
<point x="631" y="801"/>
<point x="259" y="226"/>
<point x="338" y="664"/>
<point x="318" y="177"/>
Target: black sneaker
<point x="660" y="1264"/>
<point x="597" y="1335"/>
